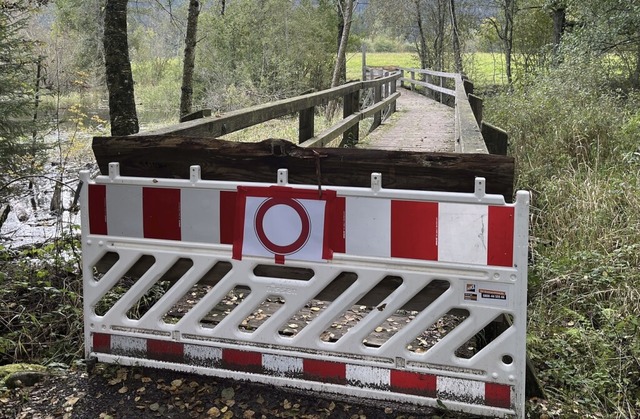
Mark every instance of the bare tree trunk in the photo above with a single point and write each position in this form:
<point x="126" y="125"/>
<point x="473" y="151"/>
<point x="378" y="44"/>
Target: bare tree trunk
<point x="509" y="16"/>
<point x="438" y="43"/>
<point x="423" y="51"/>
<point x="186" y="97"/>
<point x="457" y="54"/>
<point x="559" y="21"/>
<point x="347" y="11"/>
<point x="636" y="74"/>
<point x="122" y="106"/>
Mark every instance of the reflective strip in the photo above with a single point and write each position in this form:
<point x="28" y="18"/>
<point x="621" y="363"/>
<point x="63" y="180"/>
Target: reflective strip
<point x="128" y="345"/>
<point x="368" y="224"/>
<point x="161" y="213"/>
<point x="124" y="211"/>
<point x="462" y="233"/>
<point x="464" y="390"/>
<point x="281" y="365"/>
<point x="364" y="376"/>
<point x="413" y="383"/>
<point x="98" y="209"/>
<point x="361" y="226"/>
<point x="414" y="230"/>
<point x="200" y="215"/>
<point x="351" y="375"/>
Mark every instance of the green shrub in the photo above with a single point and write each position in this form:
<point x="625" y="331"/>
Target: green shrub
<point x="575" y="140"/>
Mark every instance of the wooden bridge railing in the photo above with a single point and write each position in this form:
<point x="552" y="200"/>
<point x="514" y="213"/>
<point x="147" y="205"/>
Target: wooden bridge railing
<point x="468" y="111"/>
<point x="170" y="151"/>
<point x="385" y="95"/>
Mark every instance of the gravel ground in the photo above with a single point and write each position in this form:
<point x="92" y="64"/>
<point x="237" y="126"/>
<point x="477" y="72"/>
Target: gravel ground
<point x="112" y="392"/>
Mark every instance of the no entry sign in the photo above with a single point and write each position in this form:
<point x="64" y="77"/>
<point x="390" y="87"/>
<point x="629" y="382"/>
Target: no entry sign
<point x="284" y="222"/>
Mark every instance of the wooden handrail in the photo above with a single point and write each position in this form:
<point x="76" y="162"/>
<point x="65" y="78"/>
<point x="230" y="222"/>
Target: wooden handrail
<point x="216" y="126"/>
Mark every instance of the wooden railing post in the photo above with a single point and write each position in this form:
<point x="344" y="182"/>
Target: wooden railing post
<point x="402" y="77"/>
<point x="351" y="106"/>
<point x="306" y="124"/>
<point x="413" y="77"/>
<point x="392" y="90"/>
<point x="377" y="97"/>
<point x="364" y="62"/>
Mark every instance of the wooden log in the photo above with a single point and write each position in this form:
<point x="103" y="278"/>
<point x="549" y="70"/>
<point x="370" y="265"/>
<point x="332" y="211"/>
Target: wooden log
<point x="5" y="209"/>
<point x="171" y="156"/>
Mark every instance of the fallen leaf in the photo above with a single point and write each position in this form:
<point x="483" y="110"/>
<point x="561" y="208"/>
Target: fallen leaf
<point x="248" y="414"/>
<point x="214" y="412"/>
<point x="286" y="404"/>
<point x="154" y="407"/>
<point x="123" y="390"/>
<point x="176" y="383"/>
<point x="228" y="393"/>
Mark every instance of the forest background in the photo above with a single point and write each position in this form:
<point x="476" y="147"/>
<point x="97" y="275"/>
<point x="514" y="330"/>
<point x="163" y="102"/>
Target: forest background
<point x="562" y="77"/>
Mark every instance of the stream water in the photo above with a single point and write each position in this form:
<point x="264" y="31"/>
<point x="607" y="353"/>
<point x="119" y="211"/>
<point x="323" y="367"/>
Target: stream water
<point x="32" y="218"/>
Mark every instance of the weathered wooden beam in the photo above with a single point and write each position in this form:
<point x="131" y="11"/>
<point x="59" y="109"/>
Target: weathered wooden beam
<point x="171" y="156"/>
<point x="431" y="87"/>
<point x="306" y="124"/>
<point x="497" y="139"/>
<point x="476" y="103"/>
<point x="203" y="113"/>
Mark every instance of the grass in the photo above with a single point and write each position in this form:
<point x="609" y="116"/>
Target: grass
<point x="576" y="147"/>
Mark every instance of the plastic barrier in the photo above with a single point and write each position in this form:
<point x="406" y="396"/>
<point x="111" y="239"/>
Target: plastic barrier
<point x="367" y="292"/>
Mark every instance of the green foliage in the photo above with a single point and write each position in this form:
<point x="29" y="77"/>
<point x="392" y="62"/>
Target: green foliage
<point x="20" y="146"/>
<point x="41" y="314"/>
<point x="262" y="51"/>
<point x="576" y="144"/>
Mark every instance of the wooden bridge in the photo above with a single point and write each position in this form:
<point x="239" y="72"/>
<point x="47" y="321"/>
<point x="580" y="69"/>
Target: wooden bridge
<point x="425" y="130"/>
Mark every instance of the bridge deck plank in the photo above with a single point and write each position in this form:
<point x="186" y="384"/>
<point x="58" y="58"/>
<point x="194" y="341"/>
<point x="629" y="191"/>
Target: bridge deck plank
<point x="420" y="124"/>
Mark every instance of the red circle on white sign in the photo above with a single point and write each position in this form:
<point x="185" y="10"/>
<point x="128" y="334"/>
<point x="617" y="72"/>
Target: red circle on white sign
<point x="269" y="243"/>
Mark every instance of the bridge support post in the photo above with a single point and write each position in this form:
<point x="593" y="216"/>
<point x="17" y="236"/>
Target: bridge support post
<point x="351" y="106"/>
<point x="392" y="90"/>
<point x="306" y="124"/>
<point x="377" y="97"/>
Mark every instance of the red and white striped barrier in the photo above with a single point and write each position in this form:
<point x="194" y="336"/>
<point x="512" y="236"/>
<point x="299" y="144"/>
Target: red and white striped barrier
<point x="361" y="226"/>
<point x="473" y="244"/>
<point x="383" y="381"/>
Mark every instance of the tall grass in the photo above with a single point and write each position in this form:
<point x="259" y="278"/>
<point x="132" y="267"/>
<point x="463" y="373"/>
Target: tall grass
<point x="576" y="146"/>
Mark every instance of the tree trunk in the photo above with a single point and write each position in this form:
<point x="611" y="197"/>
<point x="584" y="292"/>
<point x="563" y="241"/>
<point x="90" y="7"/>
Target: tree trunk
<point x="122" y="106"/>
<point x="438" y="44"/>
<point x="457" y="54"/>
<point x="423" y="51"/>
<point x="636" y="74"/>
<point x="509" y="16"/>
<point x="347" y="10"/>
<point x="343" y="68"/>
<point x="186" y="97"/>
<point x="559" y="21"/>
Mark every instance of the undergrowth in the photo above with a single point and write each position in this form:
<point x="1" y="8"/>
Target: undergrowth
<point x="41" y="313"/>
<point x="577" y="146"/>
